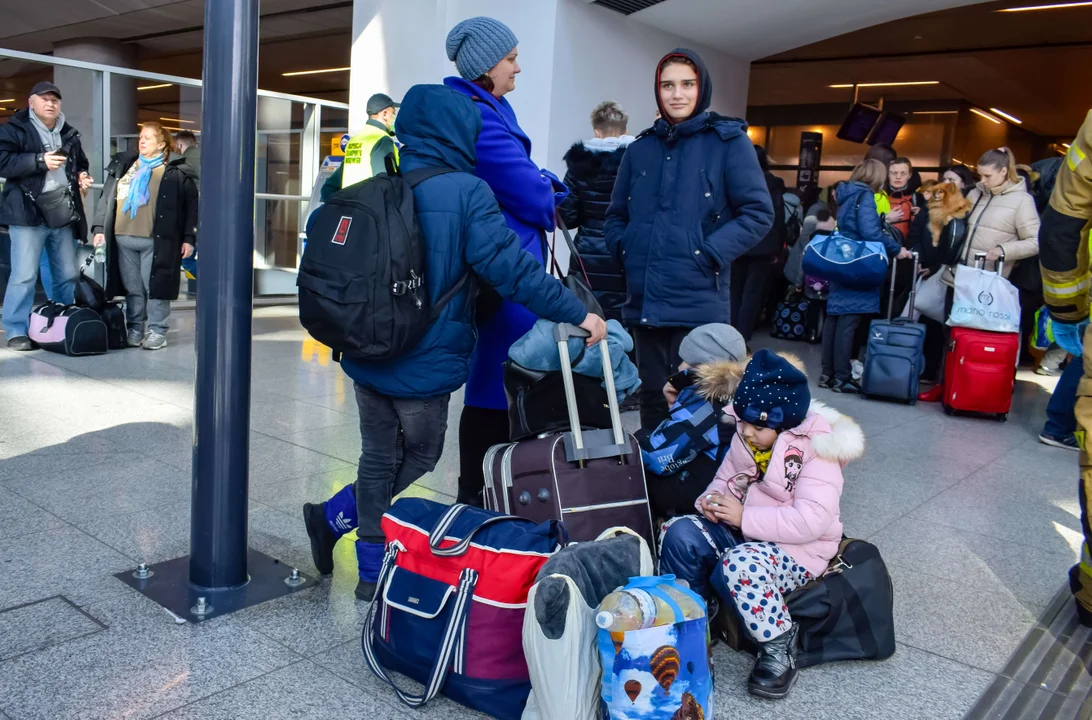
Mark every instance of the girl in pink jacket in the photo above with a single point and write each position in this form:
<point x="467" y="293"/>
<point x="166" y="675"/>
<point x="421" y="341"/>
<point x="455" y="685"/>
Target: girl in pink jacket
<point x="780" y="485"/>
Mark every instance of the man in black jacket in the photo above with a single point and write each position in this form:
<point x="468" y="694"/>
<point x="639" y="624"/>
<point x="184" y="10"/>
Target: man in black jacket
<point x="42" y="160"/>
<point x="592" y="168"/>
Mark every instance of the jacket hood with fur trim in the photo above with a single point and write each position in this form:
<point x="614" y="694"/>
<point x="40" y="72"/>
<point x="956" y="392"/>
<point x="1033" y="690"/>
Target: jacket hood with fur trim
<point x="845" y="440"/>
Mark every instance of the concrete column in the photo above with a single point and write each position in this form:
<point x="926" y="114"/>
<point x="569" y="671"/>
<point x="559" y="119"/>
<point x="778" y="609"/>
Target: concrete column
<point x="78" y="88"/>
<point x="573" y="56"/>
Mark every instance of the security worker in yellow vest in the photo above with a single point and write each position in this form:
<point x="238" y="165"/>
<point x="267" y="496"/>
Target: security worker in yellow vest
<point x="366" y="153"/>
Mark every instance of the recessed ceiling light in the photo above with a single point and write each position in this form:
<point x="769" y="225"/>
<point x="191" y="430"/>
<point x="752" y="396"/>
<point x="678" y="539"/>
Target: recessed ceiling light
<point x="986" y="115"/>
<point x="1065" y="145"/>
<point x="178" y="120"/>
<point x="178" y="129"/>
<point x="7" y="100"/>
<point x="315" y="72"/>
<point x="154" y="87"/>
<point x="1055" y="6"/>
<point x="1005" y="115"/>
<point x="887" y="84"/>
<point x="935" y="112"/>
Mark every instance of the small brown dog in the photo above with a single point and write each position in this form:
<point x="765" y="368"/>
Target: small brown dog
<point x="947" y="203"/>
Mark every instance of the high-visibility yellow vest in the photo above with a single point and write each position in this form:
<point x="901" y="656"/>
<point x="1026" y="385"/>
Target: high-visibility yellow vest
<point x="357" y="165"/>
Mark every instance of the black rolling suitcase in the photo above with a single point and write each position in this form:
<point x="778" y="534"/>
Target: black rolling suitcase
<point x="591" y="480"/>
<point x="896" y="352"/>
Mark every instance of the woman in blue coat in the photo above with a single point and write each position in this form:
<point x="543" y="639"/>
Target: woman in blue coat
<point x="858" y="219"/>
<point x="484" y="51"/>
<point x="690" y="198"/>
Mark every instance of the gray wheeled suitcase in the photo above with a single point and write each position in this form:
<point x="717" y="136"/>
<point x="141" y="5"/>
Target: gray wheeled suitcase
<point x="591" y="480"/>
<point x="895" y="356"/>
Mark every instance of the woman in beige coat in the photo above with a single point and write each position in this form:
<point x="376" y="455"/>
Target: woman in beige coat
<point x="1004" y="223"/>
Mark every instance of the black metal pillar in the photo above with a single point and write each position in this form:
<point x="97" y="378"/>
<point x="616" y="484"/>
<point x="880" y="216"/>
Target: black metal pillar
<point x="221" y="460"/>
<point x="222" y="574"/>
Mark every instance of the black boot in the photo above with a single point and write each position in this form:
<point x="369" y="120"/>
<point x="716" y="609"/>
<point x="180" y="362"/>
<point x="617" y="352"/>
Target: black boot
<point x="775" y="669"/>
<point x="322" y="537"/>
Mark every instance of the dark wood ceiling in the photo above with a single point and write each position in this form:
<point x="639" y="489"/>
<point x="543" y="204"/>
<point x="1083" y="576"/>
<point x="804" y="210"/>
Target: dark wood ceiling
<point x="1032" y="65"/>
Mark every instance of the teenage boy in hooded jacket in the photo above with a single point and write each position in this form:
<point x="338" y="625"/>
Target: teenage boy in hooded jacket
<point x="690" y="198"/>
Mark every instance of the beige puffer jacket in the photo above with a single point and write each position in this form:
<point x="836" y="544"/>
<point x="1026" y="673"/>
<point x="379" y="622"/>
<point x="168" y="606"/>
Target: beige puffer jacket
<point x="1005" y="216"/>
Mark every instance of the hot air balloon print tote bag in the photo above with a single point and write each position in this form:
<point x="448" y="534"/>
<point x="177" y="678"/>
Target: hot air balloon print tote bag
<point x="450" y="601"/>
<point x="663" y="672"/>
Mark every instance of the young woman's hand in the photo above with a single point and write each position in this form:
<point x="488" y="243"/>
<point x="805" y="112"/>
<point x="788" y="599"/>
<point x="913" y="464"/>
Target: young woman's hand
<point x="904" y="254"/>
<point x="895" y="215"/>
<point x="187" y="251"/>
<point x="995" y="254"/>
<point x="99" y="240"/>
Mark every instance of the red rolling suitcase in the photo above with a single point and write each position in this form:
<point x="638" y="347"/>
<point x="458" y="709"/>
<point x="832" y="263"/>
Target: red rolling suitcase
<point x="591" y="480"/>
<point x="980" y="371"/>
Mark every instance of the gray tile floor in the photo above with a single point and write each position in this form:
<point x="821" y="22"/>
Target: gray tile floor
<point x="977" y="520"/>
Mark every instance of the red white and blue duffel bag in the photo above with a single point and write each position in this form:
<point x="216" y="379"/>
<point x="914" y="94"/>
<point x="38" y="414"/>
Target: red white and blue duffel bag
<point x="450" y="601"/>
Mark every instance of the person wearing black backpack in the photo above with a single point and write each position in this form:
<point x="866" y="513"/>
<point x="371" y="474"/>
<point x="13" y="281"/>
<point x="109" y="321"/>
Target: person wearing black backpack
<point x="403" y="400"/>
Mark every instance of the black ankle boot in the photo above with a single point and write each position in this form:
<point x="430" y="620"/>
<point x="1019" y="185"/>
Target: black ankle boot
<point x="322" y="537"/>
<point x="775" y="669"/>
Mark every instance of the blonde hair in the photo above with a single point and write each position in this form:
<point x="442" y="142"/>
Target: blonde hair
<point x="1000" y="158"/>
<point x="872" y="173"/>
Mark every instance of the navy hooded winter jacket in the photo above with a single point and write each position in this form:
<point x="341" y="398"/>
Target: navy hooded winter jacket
<point x="859" y="219"/>
<point x="464" y="231"/>
<point x="690" y="198"/>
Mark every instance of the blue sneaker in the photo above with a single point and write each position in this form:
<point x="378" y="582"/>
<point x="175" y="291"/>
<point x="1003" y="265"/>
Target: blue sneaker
<point x="1066" y="442"/>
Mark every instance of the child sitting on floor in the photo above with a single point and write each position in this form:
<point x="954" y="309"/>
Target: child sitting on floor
<point x="683" y="454"/>
<point x="779" y="488"/>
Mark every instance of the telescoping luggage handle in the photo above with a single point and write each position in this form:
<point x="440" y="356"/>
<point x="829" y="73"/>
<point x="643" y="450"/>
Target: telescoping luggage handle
<point x="980" y="262"/>
<point x="593" y="444"/>
<point x="913" y="289"/>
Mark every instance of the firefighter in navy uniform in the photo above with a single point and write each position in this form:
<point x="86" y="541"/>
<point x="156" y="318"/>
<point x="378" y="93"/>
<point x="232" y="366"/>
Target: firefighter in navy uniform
<point x="1064" y="258"/>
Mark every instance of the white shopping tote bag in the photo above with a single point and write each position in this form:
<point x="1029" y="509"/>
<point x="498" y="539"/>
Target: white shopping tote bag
<point x="985" y="301"/>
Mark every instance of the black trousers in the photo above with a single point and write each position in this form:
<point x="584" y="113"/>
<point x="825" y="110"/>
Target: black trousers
<point x="838" y="336"/>
<point x="479" y="430"/>
<point x="750" y="278"/>
<point x="657" y="360"/>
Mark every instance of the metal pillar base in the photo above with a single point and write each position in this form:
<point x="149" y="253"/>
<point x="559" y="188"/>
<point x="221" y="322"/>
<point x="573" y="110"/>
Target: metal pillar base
<point x="168" y="585"/>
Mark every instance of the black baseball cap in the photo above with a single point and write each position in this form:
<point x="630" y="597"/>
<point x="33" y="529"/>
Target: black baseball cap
<point x="45" y="87"/>
<point x="379" y="102"/>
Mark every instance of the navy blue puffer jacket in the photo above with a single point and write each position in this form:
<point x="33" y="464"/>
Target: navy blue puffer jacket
<point x="592" y="169"/>
<point x="858" y="219"/>
<point x="690" y="198"/>
<point x="464" y="231"/>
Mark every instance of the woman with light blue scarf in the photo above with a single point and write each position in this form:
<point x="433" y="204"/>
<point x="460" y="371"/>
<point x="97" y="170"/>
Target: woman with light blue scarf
<point x="147" y="220"/>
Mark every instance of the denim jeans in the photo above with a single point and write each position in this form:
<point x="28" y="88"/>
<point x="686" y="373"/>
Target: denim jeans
<point x="1061" y="420"/>
<point x="46" y="274"/>
<point x="27" y="243"/>
<point x="401" y="439"/>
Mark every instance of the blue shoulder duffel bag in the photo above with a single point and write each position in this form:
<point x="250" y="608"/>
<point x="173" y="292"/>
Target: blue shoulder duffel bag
<point x="860" y="264"/>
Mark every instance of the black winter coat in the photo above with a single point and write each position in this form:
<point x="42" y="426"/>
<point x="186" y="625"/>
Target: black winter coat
<point x="24" y="170"/>
<point x="590" y="179"/>
<point x="175" y="224"/>
<point x="776" y="239"/>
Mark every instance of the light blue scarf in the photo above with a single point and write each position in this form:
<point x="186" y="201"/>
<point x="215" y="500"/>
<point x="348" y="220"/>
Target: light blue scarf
<point x="138" y="188"/>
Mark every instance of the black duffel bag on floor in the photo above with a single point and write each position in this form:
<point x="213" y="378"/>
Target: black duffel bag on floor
<point x="848" y="614"/>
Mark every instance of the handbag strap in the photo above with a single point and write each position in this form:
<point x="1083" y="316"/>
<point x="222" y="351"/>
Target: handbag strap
<point x="439" y="532"/>
<point x="967" y="240"/>
<point x="573" y="252"/>
<point x="456" y="626"/>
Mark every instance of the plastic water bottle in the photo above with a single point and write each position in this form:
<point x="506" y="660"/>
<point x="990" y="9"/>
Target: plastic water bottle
<point x="634" y="608"/>
<point x="100" y="254"/>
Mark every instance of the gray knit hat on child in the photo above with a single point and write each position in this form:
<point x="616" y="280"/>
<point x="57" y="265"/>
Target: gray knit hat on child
<point x="478" y="44"/>
<point x="715" y="341"/>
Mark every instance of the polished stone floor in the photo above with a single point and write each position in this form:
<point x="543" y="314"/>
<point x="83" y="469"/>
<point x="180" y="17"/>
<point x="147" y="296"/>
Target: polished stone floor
<point x="977" y="521"/>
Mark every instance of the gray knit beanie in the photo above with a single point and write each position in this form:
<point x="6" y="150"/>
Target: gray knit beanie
<point x="478" y="44"/>
<point x="715" y="341"/>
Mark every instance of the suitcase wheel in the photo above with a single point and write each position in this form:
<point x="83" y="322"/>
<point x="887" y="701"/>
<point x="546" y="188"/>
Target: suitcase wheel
<point x="948" y="410"/>
<point x="1002" y="417"/>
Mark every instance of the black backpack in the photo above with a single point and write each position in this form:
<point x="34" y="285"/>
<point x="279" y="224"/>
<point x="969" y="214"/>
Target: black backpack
<point x="361" y="280"/>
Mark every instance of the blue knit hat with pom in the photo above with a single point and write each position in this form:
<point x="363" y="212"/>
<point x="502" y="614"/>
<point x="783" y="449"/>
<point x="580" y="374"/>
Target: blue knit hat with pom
<point x="476" y="45"/>
<point x="773" y="393"/>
